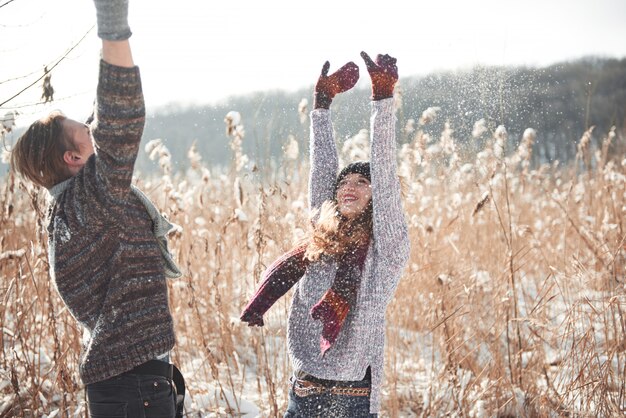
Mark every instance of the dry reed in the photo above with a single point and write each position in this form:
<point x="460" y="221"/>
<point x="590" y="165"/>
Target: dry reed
<point x="512" y="303"/>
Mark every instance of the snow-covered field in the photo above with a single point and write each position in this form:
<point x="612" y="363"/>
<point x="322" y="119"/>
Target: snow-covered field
<point x="511" y="304"/>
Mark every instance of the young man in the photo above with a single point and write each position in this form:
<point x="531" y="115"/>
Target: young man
<point x="107" y="247"/>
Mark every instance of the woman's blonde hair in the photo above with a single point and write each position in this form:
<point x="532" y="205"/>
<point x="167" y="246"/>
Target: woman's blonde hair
<point x="38" y="153"/>
<point x="333" y="234"/>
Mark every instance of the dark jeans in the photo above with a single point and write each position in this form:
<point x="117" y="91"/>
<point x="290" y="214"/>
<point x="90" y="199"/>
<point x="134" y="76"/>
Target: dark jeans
<point x="329" y="405"/>
<point x="132" y="396"/>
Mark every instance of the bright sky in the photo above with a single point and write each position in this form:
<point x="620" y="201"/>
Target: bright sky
<point x="204" y="51"/>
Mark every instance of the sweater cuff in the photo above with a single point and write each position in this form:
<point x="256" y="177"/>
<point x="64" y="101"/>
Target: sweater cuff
<point x="383" y="103"/>
<point x="320" y="113"/>
<point x="120" y="81"/>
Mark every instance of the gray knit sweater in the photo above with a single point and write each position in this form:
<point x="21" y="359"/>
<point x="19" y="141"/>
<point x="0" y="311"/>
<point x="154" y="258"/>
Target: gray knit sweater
<point x="104" y="257"/>
<point x="362" y="338"/>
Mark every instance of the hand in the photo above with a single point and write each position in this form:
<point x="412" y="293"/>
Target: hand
<point x="253" y="319"/>
<point x="384" y="75"/>
<point x="112" y="19"/>
<point x="328" y="86"/>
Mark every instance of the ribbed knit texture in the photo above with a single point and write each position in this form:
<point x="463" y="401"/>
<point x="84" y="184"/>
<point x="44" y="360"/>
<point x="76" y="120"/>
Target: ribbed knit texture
<point x="112" y="19"/>
<point x="104" y="257"/>
<point x="362" y="338"/>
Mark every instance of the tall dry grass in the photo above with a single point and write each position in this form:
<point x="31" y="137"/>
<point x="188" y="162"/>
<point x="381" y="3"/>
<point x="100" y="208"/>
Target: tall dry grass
<point x="511" y="304"/>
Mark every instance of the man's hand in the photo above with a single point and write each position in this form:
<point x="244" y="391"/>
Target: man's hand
<point x="112" y="20"/>
<point x="114" y="31"/>
<point x="384" y="75"/>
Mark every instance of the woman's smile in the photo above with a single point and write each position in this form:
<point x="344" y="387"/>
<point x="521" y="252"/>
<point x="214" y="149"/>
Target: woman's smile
<point x="354" y="193"/>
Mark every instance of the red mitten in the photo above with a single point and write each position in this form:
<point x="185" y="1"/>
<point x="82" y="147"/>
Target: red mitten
<point x="330" y="85"/>
<point x="384" y="75"/>
<point x="253" y="319"/>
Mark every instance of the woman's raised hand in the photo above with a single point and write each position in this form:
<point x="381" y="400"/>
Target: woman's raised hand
<point x="252" y="318"/>
<point x="328" y="86"/>
<point x="384" y="75"/>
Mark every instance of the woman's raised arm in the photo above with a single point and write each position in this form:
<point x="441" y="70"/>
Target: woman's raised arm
<point x="323" y="152"/>
<point x="390" y="229"/>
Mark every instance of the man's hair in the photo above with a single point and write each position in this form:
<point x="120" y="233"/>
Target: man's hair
<point x="38" y="153"/>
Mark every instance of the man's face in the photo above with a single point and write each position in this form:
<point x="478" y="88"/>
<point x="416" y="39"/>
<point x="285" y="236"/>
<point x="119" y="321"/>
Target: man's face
<point x="80" y="135"/>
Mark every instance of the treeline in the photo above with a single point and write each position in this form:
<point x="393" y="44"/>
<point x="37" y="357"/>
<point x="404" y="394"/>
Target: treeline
<point x="560" y="102"/>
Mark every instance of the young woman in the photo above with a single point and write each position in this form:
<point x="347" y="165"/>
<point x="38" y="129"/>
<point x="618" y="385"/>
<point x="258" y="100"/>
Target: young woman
<point x="107" y="242"/>
<point x="349" y="267"/>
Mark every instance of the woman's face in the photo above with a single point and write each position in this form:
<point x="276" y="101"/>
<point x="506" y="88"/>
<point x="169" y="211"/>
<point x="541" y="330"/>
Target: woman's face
<point x="354" y="193"/>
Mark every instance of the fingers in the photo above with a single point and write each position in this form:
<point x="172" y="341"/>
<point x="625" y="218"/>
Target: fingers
<point x="255" y="322"/>
<point x="385" y="60"/>
<point x="368" y="61"/>
<point x="382" y="61"/>
<point x="346" y="77"/>
<point x="349" y="70"/>
<point x="350" y="67"/>
<point x="383" y="72"/>
<point x="325" y="69"/>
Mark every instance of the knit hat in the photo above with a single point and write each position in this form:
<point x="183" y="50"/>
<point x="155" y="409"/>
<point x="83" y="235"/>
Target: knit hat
<point x="358" y="167"/>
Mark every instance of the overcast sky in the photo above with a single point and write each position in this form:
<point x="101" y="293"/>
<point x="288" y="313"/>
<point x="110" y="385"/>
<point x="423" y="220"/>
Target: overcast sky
<point x="192" y="51"/>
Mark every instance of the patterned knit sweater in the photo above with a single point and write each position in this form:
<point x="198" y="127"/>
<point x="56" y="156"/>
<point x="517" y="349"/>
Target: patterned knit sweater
<point x="361" y="341"/>
<point x="104" y="257"/>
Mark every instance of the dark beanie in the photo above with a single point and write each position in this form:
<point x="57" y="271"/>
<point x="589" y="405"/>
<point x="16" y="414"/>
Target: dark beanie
<point x="358" y="167"/>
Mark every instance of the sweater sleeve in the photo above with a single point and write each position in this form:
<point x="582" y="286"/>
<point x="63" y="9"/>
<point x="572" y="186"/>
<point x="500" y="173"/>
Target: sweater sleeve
<point x="117" y="127"/>
<point x="277" y="280"/>
<point x="324" y="162"/>
<point x="391" y="239"/>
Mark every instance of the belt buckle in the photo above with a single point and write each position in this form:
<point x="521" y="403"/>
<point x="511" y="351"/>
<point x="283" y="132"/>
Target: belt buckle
<point x="304" y="388"/>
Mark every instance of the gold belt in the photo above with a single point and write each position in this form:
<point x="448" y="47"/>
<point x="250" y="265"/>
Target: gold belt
<point x="303" y="388"/>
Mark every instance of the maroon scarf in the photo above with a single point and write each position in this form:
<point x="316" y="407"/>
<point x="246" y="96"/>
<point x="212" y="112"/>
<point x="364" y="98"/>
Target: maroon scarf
<point x="334" y="306"/>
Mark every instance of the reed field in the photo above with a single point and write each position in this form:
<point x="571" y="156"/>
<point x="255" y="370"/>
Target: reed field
<point x="513" y="302"/>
